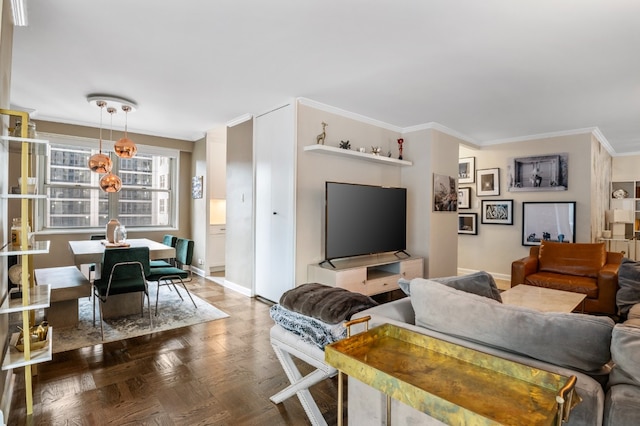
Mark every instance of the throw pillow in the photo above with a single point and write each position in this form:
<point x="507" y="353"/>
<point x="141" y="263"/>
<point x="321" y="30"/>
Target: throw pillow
<point x="625" y="353"/>
<point x="576" y="341"/>
<point x="480" y="283"/>
<point x="629" y="282"/>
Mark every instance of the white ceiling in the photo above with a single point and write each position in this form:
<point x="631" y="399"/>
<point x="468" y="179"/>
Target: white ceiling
<point x="491" y="70"/>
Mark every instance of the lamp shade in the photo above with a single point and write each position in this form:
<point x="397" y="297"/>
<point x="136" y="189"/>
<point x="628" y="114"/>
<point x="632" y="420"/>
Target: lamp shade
<point x="100" y="163"/>
<point x="125" y="148"/>
<point x="110" y="183"/>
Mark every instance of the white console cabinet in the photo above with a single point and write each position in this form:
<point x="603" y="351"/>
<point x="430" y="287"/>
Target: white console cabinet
<point x="367" y="275"/>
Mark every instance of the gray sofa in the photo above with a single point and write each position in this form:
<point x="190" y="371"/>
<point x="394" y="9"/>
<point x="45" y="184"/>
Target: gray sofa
<point x="562" y="343"/>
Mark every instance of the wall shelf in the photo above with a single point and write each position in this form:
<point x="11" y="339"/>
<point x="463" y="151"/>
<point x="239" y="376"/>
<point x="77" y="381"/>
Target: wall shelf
<point x="14" y="358"/>
<point x="330" y="150"/>
<point x="39" y="298"/>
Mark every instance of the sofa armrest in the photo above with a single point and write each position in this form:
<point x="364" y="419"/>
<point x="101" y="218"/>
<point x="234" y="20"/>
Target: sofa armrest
<point x="521" y="268"/>
<point x="399" y="310"/>
<point x="608" y="285"/>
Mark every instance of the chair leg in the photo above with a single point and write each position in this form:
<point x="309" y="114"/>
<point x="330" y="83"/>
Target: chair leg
<point x="149" y="306"/>
<point x="188" y="292"/>
<point x="101" y="321"/>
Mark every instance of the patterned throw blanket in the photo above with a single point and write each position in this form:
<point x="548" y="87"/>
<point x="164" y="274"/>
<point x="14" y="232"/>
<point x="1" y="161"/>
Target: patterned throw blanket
<point x="308" y="329"/>
<point x="316" y="312"/>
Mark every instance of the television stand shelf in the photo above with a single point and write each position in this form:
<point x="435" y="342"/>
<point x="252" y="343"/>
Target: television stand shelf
<point x="367" y="275"/>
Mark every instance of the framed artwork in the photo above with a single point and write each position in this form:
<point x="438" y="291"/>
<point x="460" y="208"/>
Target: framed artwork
<point x="467" y="223"/>
<point x="538" y="173"/>
<point x="445" y="196"/>
<point x="488" y="182"/>
<point x="196" y="186"/>
<point x="467" y="170"/>
<point x="497" y="212"/>
<point x="552" y="221"/>
<point x="464" y="198"/>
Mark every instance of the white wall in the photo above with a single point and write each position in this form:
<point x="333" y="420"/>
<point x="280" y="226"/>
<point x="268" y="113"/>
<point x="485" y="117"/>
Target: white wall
<point x="239" y="235"/>
<point x="315" y="169"/>
<point x="496" y="246"/>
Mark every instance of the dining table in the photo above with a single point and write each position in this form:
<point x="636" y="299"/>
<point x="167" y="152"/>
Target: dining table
<point x="91" y="252"/>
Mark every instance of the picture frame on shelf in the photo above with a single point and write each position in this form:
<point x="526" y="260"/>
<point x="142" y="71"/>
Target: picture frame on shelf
<point x="497" y="212"/>
<point x="551" y="221"/>
<point x="467" y="170"/>
<point x="464" y="198"/>
<point x="487" y="182"/>
<point x="468" y="223"/>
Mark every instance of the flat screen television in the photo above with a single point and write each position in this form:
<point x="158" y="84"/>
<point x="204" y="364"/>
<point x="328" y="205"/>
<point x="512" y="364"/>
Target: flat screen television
<point x="364" y="219"/>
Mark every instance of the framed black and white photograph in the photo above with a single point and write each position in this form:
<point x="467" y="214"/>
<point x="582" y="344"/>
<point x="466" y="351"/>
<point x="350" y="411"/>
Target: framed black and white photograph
<point x="467" y="223"/>
<point x="464" y="198"/>
<point x="497" y="212"/>
<point x="196" y="186"/>
<point x="487" y="182"/>
<point x="538" y="173"/>
<point x="551" y="221"/>
<point x="445" y="196"/>
<point x="467" y="170"/>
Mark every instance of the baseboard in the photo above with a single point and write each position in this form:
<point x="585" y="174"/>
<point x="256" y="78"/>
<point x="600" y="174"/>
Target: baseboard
<point x="503" y="281"/>
<point x="7" y="395"/>
<point x="197" y="271"/>
<point x="231" y="286"/>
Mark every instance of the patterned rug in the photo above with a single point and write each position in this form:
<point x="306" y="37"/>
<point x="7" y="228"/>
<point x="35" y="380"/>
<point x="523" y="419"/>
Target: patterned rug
<point x="172" y="313"/>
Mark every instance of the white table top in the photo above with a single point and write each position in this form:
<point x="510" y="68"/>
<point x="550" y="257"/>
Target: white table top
<point x="542" y="299"/>
<point x="90" y="251"/>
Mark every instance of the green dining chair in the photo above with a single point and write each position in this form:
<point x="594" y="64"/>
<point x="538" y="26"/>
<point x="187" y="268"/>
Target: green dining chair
<point x="169" y="275"/>
<point x="167" y="240"/>
<point x="124" y="270"/>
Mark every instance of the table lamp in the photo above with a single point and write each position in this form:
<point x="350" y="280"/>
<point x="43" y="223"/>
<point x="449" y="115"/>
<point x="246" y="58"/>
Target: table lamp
<point x="618" y="218"/>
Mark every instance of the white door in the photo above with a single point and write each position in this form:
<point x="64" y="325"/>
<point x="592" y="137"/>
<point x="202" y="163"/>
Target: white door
<point x="274" y="142"/>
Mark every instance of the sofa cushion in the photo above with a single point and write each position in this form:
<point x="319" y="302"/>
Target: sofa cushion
<point x="480" y="283"/>
<point x="625" y="353"/>
<point x="581" y="259"/>
<point x="572" y="283"/>
<point x="572" y="340"/>
<point x="629" y="282"/>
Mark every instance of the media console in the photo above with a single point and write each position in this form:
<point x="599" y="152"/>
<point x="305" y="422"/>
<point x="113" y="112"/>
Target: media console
<point x="367" y="274"/>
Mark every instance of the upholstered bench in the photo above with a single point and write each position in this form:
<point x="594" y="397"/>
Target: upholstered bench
<point x="67" y="286"/>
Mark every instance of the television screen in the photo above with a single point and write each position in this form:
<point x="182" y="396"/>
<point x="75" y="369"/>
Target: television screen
<point x="364" y="219"/>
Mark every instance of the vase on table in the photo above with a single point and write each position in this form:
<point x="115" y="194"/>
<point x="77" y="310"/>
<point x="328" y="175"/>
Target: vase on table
<point x="111" y="227"/>
<point x="120" y="234"/>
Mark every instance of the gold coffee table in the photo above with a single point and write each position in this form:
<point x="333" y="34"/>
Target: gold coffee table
<point x="542" y="299"/>
<point x="449" y="382"/>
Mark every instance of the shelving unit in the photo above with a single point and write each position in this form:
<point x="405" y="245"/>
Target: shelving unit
<point x="630" y="202"/>
<point x="330" y="150"/>
<point x="32" y="298"/>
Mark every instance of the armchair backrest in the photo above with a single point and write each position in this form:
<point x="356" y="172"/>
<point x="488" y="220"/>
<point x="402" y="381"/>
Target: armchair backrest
<point x="112" y="256"/>
<point x="184" y="251"/>
<point x="579" y="259"/>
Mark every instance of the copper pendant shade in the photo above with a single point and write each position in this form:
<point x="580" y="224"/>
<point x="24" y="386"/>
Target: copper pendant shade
<point x="110" y="183"/>
<point x="125" y="148"/>
<point x="100" y="163"/>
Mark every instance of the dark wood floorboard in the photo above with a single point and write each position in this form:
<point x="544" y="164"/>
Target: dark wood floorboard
<point x="217" y="373"/>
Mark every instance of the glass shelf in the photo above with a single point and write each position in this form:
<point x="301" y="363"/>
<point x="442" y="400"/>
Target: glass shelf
<point x="13" y="358"/>
<point x="27" y="196"/>
<point x="39" y="298"/>
<point x="40" y="247"/>
<point x="20" y="140"/>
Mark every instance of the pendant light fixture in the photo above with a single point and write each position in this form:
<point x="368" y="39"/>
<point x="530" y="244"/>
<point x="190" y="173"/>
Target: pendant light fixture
<point x="125" y="148"/>
<point x="100" y="163"/>
<point x="111" y="182"/>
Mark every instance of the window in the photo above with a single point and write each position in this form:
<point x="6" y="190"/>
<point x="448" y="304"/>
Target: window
<point x="75" y="199"/>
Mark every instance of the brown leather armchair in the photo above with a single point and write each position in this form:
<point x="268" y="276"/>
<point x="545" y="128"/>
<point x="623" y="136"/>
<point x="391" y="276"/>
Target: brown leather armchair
<point x="579" y="267"/>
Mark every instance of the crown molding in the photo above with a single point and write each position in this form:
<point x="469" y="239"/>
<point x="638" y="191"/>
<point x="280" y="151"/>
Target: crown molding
<point x="348" y="114"/>
<point x="239" y="120"/>
<point x="443" y="129"/>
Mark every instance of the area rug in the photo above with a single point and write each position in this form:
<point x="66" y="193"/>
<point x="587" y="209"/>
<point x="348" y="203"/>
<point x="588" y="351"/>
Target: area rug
<point x="172" y="313"/>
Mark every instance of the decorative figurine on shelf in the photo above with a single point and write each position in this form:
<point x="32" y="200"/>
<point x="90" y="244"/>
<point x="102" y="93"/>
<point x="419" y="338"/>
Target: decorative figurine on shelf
<point x="345" y="145"/>
<point x="400" y="142"/>
<point x="375" y="150"/>
<point x="321" y="136"/>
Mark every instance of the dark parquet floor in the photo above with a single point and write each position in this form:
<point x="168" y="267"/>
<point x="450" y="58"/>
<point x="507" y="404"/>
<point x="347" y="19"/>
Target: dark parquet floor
<point x="217" y="373"/>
